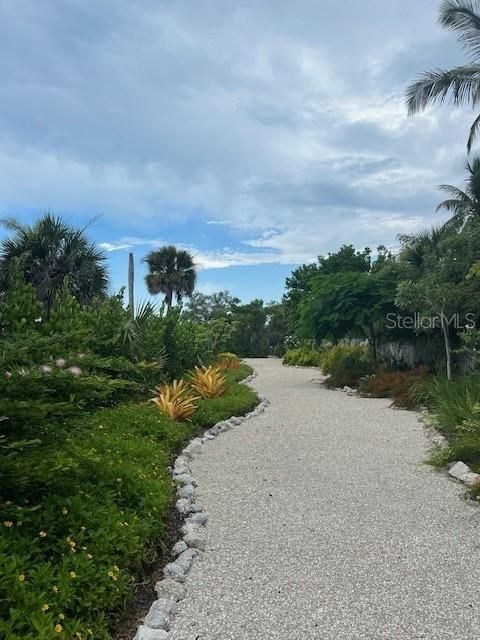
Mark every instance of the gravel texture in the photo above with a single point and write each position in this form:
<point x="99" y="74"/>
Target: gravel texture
<point x="324" y="523"/>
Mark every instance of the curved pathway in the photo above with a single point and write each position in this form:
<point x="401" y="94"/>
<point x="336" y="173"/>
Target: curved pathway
<point x="324" y="524"/>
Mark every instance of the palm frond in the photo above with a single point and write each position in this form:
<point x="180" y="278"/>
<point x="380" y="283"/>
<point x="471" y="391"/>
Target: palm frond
<point x="455" y="192"/>
<point x="474" y="129"/>
<point x="462" y="16"/>
<point x="12" y="224"/>
<point x="456" y="206"/>
<point x="462" y="83"/>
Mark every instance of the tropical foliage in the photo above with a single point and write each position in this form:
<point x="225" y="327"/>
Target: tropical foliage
<point x="49" y="253"/>
<point x="172" y="272"/>
<point x="460" y="84"/>
<point x="208" y="382"/>
<point x="85" y="493"/>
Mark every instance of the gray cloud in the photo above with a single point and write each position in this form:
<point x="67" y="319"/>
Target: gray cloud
<point x="262" y="113"/>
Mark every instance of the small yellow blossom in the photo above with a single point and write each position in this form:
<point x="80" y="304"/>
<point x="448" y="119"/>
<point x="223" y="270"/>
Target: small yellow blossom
<point x="8" y="523"/>
<point x="45" y="607"/>
<point x="89" y="556"/>
<point x="58" y="628"/>
<point x="21" y="577"/>
<point x="43" y="534"/>
<point x="55" y="589"/>
<point x="61" y="616"/>
<point x="73" y="574"/>
<point x="64" y="511"/>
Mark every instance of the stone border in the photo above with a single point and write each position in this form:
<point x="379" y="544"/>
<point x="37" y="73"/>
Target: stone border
<point x="171" y="589"/>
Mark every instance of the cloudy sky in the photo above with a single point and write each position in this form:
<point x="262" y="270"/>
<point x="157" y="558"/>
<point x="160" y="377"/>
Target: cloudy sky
<point x="257" y="133"/>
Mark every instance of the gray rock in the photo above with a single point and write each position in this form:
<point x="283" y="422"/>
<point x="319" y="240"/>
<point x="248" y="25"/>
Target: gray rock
<point x="196" y="507"/>
<point x="175" y="571"/>
<point x="179" y="547"/>
<point x="213" y="431"/>
<point x="145" y="633"/>
<point x="440" y="441"/>
<point x="196" y="539"/>
<point x="193" y="448"/>
<point x="227" y="426"/>
<point x="169" y="588"/>
<point x="235" y="421"/>
<point x="178" y="570"/>
<point x="183" y="506"/>
<point x="459" y="470"/>
<point x="178" y="471"/>
<point x="200" y="518"/>
<point x="209" y="436"/>
<point x="188" y="491"/>
<point x="183" y="479"/>
<point x="181" y="461"/>
<point x="159" y="614"/>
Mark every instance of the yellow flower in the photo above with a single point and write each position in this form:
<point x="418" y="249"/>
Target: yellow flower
<point x="89" y="556"/>
<point x="8" y="523"/>
<point x="64" y="511"/>
<point x="43" y="534"/>
<point x="73" y="574"/>
<point x="61" y="616"/>
<point x="55" y="589"/>
<point x="45" y="607"/>
<point x="58" y="628"/>
<point x="21" y="577"/>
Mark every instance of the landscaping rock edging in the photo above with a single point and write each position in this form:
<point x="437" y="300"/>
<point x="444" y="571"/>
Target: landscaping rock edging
<point x="171" y="589"/>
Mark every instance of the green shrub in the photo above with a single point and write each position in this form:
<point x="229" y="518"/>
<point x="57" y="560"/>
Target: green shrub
<point x="402" y="386"/>
<point x="83" y="511"/>
<point x="236" y="375"/>
<point x="302" y="357"/>
<point x="453" y="403"/>
<point x="346" y="364"/>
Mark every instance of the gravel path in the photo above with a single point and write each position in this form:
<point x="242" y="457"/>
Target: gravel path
<point x="325" y="524"/>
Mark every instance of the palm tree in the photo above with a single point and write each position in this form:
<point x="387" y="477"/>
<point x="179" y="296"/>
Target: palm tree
<point x="419" y="250"/>
<point x="462" y="84"/>
<point x="49" y="251"/>
<point x="464" y="205"/>
<point x="172" y="272"/>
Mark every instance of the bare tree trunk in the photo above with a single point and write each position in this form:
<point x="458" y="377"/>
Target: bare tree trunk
<point x="448" y="353"/>
<point x="131" y="275"/>
<point x="169" y="298"/>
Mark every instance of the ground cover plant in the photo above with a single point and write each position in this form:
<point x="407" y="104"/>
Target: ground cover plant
<point x="83" y="510"/>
